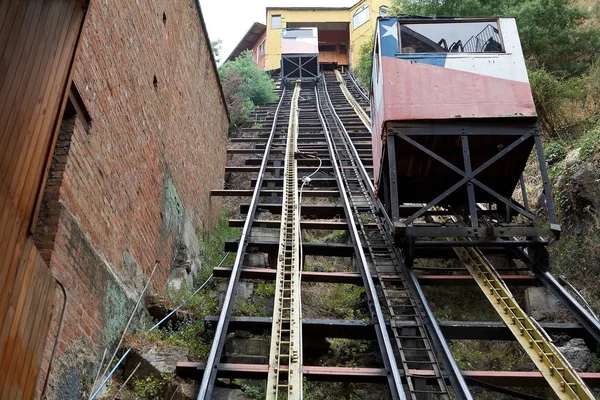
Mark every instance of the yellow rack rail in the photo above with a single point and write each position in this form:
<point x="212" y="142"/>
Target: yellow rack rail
<point x="554" y="367"/>
<point x="362" y="114"/>
<point x="286" y="331"/>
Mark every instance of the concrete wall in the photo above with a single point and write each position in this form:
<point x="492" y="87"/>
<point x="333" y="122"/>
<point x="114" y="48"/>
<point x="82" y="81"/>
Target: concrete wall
<point x="132" y="187"/>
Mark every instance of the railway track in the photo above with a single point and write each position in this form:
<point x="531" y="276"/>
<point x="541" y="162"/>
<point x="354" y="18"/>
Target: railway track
<point x="559" y="374"/>
<point x="315" y="143"/>
<point x="413" y="351"/>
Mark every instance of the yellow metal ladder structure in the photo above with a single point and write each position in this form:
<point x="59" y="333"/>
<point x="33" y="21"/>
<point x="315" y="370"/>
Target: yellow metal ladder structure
<point x="362" y="114"/>
<point x="285" y="359"/>
<point x="554" y="367"/>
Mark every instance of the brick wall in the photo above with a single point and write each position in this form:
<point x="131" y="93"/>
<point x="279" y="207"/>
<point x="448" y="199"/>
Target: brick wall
<point x="134" y="177"/>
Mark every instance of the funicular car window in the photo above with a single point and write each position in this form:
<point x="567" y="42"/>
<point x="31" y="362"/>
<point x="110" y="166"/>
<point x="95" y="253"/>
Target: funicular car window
<point x="451" y="37"/>
<point x="299" y="33"/>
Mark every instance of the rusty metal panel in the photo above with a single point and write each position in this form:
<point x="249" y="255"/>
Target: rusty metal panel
<point x="38" y="40"/>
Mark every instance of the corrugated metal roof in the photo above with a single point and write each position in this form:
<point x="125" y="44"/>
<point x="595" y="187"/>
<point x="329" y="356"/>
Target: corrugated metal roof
<point x="249" y="40"/>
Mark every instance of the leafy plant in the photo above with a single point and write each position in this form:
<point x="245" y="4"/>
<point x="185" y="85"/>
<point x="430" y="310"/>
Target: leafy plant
<point x="150" y="387"/>
<point x="245" y="86"/>
<point x="249" y="308"/>
<point x="552" y="96"/>
<point x="365" y="61"/>
<point x="343" y="301"/>
<point x="554" y="152"/>
<point x="212" y="245"/>
<point x="216" y="49"/>
<point x="265" y="290"/>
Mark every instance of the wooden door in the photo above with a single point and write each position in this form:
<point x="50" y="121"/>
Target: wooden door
<point x="38" y="40"/>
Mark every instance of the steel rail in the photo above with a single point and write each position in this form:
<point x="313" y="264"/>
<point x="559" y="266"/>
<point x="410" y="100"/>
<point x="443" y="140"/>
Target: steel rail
<point x="387" y="352"/>
<point x="583" y="316"/>
<point x="459" y="384"/>
<point x="554" y="367"/>
<point x="358" y="87"/>
<point x="212" y="363"/>
<point x="587" y="320"/>
<point x="413" y="345"/>
<point x="353" y="150"/>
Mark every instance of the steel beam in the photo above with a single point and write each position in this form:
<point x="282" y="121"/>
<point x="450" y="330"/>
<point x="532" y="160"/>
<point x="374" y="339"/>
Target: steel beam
<point x="268" y="192"/>
<point x="308" y="210"/>
<point x="360" y="329"/>
<point x="581" y="314"/>
<point x="191" y="370"/>
<point x="320" y="225"/>
<point x="355" y="277"/>
<point x="347" y="250"/>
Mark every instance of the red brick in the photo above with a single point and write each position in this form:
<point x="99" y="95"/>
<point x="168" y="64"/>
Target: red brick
<point x="105" y="187"/>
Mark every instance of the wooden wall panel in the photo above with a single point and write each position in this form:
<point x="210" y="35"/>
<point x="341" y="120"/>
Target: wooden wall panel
<point x="36" y="60"/>
<point x="38" y="40"/>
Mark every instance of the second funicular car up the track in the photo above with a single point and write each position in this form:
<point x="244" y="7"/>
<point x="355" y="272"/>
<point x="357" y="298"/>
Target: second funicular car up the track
<point x="454" y="124"/>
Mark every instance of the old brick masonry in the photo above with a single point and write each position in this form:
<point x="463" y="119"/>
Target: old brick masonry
<point x="121" y="189"/>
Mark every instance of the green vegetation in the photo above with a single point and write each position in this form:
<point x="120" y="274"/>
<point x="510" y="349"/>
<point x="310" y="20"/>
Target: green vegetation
<point x="256" y="306"/>
<point x="250" y="309"/>
<point x="213" y="243"/>
<point x="188" y="328"/>
<point x="365" y="61"/>
<point x="488" y="355"/>
<point x="245" y="86"/>
<point x="253" y="391"/>
<point x="350" y="353"/>
<point x="341" y="391"/>
<point x="151" y="387"/>
<point x="343" y="301"/>
<point x="189" y="331"/>
<point x="555" y="152"/>
<point x="265" y="290"/>
<point x="461" y="307"/>
<point x="216" y="49"/>
<point x="325" y="236"/>
<point x="575" y="170"/>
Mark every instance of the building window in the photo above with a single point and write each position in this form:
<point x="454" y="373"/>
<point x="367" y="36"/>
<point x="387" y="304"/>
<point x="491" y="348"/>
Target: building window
<point x="384" y="11"/>
<point x="276" y="21"/>
<point x="261" y="48"/>
<point x="327" y="47"/>
<point x="343" y="48"/>
<point x="361" y="16"/>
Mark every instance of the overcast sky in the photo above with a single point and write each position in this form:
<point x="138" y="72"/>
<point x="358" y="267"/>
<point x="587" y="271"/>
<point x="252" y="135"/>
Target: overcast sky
<point x="230" y="20"/>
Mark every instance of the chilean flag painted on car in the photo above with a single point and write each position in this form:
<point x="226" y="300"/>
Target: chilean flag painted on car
<point x="428" y="69"/>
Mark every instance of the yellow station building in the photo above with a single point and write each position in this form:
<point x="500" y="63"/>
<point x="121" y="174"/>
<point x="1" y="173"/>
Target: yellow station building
<point x="341" y="31"/>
